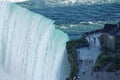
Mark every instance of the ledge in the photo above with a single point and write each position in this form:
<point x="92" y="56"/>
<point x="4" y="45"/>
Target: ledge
<point x="72" y="56"/>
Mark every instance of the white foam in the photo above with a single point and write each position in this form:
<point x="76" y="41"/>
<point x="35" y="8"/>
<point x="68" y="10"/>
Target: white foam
<point x="30" y="46"/>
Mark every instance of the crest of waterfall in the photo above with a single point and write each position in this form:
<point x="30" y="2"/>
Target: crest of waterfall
<point x="30" y="46"/>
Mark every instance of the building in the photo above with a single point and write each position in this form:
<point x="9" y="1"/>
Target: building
<point x="111" y="37"/>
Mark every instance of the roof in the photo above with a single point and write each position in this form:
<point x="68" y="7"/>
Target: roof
<point x="112" y="29"/>
<point x="119" y="23"/>
<point x="118" y="33"/>
<point x="109" y="27"/>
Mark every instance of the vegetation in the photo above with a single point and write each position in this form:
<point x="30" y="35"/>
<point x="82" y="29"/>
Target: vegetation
<point x="115" y="65"/>
<point x="72" y="56"/>
<point x="104" y="59"/>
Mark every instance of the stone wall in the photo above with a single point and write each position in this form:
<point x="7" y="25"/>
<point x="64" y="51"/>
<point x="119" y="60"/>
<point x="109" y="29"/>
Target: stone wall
<point x="108" y="41"/>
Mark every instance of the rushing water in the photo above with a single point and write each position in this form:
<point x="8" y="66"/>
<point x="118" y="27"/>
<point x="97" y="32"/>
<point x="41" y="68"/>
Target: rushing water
<point x="78" y="19"/>
<point x="82" y="13"/>
<point x="30" y="46"/>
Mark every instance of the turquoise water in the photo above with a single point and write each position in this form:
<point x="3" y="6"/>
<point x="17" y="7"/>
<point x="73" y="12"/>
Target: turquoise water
<point x="75" y="20"/>
<point x="81" y="13"/>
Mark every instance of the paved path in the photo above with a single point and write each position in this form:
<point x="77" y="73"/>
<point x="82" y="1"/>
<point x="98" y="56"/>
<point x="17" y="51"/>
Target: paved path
<point x="99" y="76"/>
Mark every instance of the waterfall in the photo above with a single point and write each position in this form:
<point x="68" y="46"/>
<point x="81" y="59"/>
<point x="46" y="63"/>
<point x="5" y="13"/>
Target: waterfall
<point x="30" y="46"/>
<point x="93" y="39"/>
<point x="89" y="54"/>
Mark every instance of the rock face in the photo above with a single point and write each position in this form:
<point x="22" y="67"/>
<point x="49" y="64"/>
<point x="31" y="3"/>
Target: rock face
<point x="108" y="41"/>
